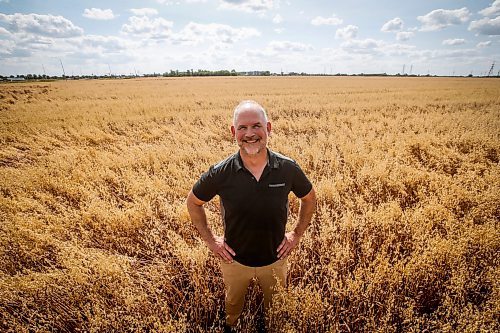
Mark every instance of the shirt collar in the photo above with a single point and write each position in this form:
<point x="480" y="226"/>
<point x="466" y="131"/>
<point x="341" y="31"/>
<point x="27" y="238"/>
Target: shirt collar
<point x="272" y="161"/>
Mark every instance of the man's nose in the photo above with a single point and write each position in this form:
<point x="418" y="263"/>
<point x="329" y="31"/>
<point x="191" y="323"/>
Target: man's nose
<point x="249" y="132"/>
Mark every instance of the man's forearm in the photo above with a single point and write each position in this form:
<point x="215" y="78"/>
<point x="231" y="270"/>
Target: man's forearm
<point x="306" y="211"/>
<point x="199" y="219"/>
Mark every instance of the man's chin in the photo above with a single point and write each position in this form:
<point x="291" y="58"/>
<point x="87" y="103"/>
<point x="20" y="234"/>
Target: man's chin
<point x="252" y="151"/>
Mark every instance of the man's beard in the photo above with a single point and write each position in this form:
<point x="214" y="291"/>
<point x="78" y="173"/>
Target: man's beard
<point x="253" y="149"/>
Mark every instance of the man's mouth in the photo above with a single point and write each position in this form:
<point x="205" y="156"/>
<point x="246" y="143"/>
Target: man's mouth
<point x="251" y="141"/>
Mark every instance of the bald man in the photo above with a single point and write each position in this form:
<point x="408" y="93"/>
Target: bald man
<point x="253" y="185"/>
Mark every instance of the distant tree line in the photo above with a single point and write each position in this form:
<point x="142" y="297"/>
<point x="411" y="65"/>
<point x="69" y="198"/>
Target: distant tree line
<point x="200" y="72"/>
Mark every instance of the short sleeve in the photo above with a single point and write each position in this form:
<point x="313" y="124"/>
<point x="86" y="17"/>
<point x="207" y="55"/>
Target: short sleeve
<point x="206" y="187"/>
<point x="301" y="185"/>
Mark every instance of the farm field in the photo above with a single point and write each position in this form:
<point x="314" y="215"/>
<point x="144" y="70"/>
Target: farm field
<point x="95" y="236"/>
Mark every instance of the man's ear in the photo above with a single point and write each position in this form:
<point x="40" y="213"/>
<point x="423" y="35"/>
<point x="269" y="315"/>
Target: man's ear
<point x="233" y="131"/>
<point x="268" y="126"/>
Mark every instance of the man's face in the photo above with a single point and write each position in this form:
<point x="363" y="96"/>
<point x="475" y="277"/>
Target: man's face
<point x="251" y="130"/>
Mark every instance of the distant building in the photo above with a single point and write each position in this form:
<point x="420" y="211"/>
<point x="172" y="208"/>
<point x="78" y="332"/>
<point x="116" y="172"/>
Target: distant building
<point x="13" y="79"/>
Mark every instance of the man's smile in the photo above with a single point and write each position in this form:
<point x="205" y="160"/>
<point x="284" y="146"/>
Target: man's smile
<point x="251" y="141"/>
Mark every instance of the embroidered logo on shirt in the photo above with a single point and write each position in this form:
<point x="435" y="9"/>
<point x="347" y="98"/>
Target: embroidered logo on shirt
<point x="277" y="185"/>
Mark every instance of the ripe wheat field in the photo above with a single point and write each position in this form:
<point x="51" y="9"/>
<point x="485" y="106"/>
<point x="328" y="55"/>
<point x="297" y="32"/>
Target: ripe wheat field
<point x="95" y="236"/>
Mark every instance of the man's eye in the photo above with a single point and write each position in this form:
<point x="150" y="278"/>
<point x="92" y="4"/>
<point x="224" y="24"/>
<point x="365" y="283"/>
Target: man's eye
<point x="256" y="126"/>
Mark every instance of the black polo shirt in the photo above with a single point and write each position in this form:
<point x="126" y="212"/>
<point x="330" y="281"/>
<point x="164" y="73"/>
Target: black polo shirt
<point x="254" y="212"/>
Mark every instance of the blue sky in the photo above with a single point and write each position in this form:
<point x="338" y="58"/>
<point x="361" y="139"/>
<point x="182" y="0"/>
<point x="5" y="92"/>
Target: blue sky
<point x="442" y="37"/>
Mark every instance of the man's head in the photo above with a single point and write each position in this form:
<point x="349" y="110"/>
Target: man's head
<point x="250" y="127"/>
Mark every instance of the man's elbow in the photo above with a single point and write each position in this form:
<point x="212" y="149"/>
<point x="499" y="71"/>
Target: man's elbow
<point x="309" y="199"/>
<point x="193" y="201"/>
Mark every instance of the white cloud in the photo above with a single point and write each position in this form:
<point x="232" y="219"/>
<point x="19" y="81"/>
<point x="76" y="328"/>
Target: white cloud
<point x="456" y="41"/>
<point x="4" y="31"/>
<point x="98" y="14"/>
<point x="404" y="35"/>
<point x="6" y="46"/>
<point x="483" y="44"/>
<point x="279" y="30"/>
<point x="348" y="32"/>
<point x="396" y="24"/>
<point x="281" y="46"/>
<point x="277" y="19"/>
<point x="144" y="11"/>
<point x="320" y="20"/>
<point x="195" y="33"/>
<point x="148" y="27"/>
<point x="361" y="44"/>
<point x="44" y="25"/>
<point x="486" y="26"/>
<point x="104" y="43"/>
<point x="493" y="10"/>
<point x="441" y="18"/>
<point x="397" y="49"/>
<point x="251" y="6"/>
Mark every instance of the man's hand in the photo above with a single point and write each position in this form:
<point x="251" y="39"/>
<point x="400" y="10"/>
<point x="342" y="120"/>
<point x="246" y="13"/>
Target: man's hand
<point x="289" y="242"/>
<point x="214" y="243"/>
<point x="221" y="249"/>
<point x="291" y="239"/>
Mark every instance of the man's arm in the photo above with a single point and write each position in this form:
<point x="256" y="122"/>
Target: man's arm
<point x="216" y="244"/>
<point x="306" y="211"/>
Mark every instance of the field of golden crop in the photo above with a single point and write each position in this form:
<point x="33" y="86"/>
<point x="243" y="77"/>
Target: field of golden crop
<point x="95" y="236"/>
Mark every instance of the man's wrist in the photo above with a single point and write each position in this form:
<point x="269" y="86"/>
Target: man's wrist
<point x="297" y="234"/>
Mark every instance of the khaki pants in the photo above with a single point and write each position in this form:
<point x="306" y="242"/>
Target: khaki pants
<point x="237" y="277"/>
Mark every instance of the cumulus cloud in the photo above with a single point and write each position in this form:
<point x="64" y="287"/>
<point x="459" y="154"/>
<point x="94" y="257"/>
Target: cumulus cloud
<point x="196" y="33"/>
<point x="277" y="19"/>
<point x="320" y="20"/>
<point x="486" y="26"/>
<point x="251" y="6"/>
<point x="456" y="41"/>
<point x="98" y="14"/>
<point x="281" y="46"/>
<point x="348" y="32"/>
<point x="144" y="11"/>
<point x="148" y="27"/>
<point x="44" y="25"/>
<point x="441" y="18"/>
<point x="493" y="10"/>
<point x="404" y="35"/>
<point x="396" y="24"/>
<point x="483" y="44"/>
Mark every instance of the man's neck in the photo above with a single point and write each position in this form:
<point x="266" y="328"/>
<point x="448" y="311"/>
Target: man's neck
<point x="254" y="161"/>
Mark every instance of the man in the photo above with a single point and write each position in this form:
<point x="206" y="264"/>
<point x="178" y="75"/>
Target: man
<point x="253" y="185"/>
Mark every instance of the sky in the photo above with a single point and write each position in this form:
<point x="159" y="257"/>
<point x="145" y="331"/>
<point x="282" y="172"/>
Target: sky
<point x="437" y="37"/>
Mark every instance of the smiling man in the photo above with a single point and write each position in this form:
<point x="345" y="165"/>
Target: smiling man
<point x="253" y="185"/>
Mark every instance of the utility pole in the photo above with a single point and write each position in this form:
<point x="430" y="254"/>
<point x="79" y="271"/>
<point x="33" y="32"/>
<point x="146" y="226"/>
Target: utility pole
<point x="64" y="73"/>
<point x="491" y="69"/>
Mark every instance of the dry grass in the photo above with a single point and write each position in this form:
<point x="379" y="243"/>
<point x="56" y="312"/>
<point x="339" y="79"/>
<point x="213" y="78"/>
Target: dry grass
<point x="94" y="235"/>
